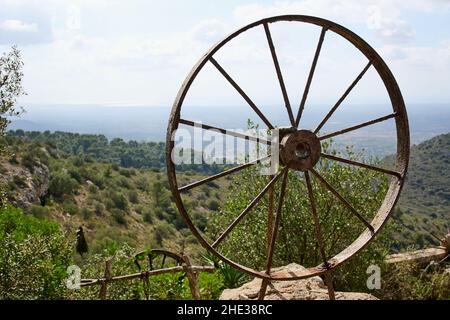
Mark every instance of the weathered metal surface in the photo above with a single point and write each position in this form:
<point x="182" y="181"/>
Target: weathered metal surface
<point x="398" y="114"/>
<point x="152" y="254"/>
<point x="300" y="150"/>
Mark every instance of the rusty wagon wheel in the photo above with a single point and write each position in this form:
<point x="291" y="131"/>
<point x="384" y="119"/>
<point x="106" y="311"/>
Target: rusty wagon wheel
<point x="294" y="138"/>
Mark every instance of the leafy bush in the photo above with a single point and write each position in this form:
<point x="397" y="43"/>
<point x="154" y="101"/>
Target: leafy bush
<point x="61" y="184"/>
<point x="86" y="213"/>
<point x="133" y="196"/>
<point x="119" y="216"/>
<point x="296" y="240"/>
<point x="70" y="207"/>
<point x="119" y="200"/>
<point x="213" y="205"/>
<point x="34" y="256"/>
<point x="148" y="216"/>
<point x="409" y="282"/>
<point x="38" y="211"/>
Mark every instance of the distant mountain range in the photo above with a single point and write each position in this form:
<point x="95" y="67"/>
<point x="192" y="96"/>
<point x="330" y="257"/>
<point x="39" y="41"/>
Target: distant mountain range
<point x="150" y="123"/>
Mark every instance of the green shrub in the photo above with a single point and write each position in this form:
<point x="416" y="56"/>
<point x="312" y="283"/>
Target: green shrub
<point x="296" y="240"/>
<point x="34" y="256"/>
<point x="408" y="281"/>
<point x="213" y="205"/>
<point x="119" y="200"/>
<point x="123" y="182"/>
<point x="125" y="172"/>
<point x="28" y="161"/>
<point x="62" y="184"/>
<point x="70" y="207"/>
<point x="86" y="213"/>
<point x="38" y="211"/>
<point x="119" y="216"/>
<point x="133" y="196"/>
<point x="148" y="216"/>
<point x="99" y="208"/>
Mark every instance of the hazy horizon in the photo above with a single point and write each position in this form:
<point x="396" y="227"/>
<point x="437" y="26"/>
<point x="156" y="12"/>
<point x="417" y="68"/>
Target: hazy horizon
<point x="142" y="123"/>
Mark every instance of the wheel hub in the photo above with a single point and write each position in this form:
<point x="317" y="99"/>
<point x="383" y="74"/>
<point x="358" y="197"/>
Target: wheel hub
<point x="300" y="150"/>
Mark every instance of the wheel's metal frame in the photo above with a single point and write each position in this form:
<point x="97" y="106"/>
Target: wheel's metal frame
<point x="399" y="115"/>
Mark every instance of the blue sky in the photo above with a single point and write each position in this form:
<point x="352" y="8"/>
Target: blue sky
<point x="139" y="52"/>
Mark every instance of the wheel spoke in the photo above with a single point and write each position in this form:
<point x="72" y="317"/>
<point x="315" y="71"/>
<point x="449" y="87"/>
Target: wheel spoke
<point x="274" y="233"/>
<point x="224" y="131"/>
<point x="319" y="236"/>
<point x="316" y="221"/>
<point x="247" y="210"/>
<point x="310" y="77"/>
<point x="359" y="126"/>
<point x="279" y="75"/>
<point x="345" y="202"/>
<point x="363" y="165"/>
<point x="222" y="174"/>
<point x="342" y="98"/>
<point x="241" y="92"/>
<point x="329" y="284"/>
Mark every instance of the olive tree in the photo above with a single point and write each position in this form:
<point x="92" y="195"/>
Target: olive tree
<point x="296" y="241"/>
<point x="11" y="77"/>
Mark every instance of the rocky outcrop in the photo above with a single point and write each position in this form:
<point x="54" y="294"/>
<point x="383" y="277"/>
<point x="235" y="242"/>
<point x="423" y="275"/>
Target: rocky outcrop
<point x="30" y="184"/>
<point x="309" y="289"/>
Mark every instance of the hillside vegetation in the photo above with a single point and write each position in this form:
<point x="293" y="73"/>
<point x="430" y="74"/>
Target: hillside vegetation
<point x="114" y="204"/>
<point x="424" y="206"/>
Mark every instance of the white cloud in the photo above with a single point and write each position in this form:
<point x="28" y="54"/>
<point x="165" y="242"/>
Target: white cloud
<point x="210" y="30"/>
<point x="388" y="25"/>
<point x="99" y="62"/>
<point x="24" y="23"/>
<point x="18" y="26"/>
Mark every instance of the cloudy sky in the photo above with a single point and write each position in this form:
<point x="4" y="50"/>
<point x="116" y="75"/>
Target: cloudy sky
<point x="138" y="52"/>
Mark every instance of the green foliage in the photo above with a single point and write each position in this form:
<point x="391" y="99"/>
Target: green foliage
<point x="171" y="286"/>
<point x="296" y="240"/>
<point x="70" y="207"/>
<point x="119" y="216"/>
<point x="131" y="154"/>
<point x="34" y="256"/>
<point x="409" y="282"/>
<point x="11" y="76"/>
<point x="148" y="216"/>
<point x="426" y="194"/>
<point x="38" y="211"/>
<point x="133" y="196"/>
<point x="230" y="277"/>
<point x="61" y="183"/>
<point x="213" y="205"/>
<point x="160" y="195"/>
<point x="119" y="200"/>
